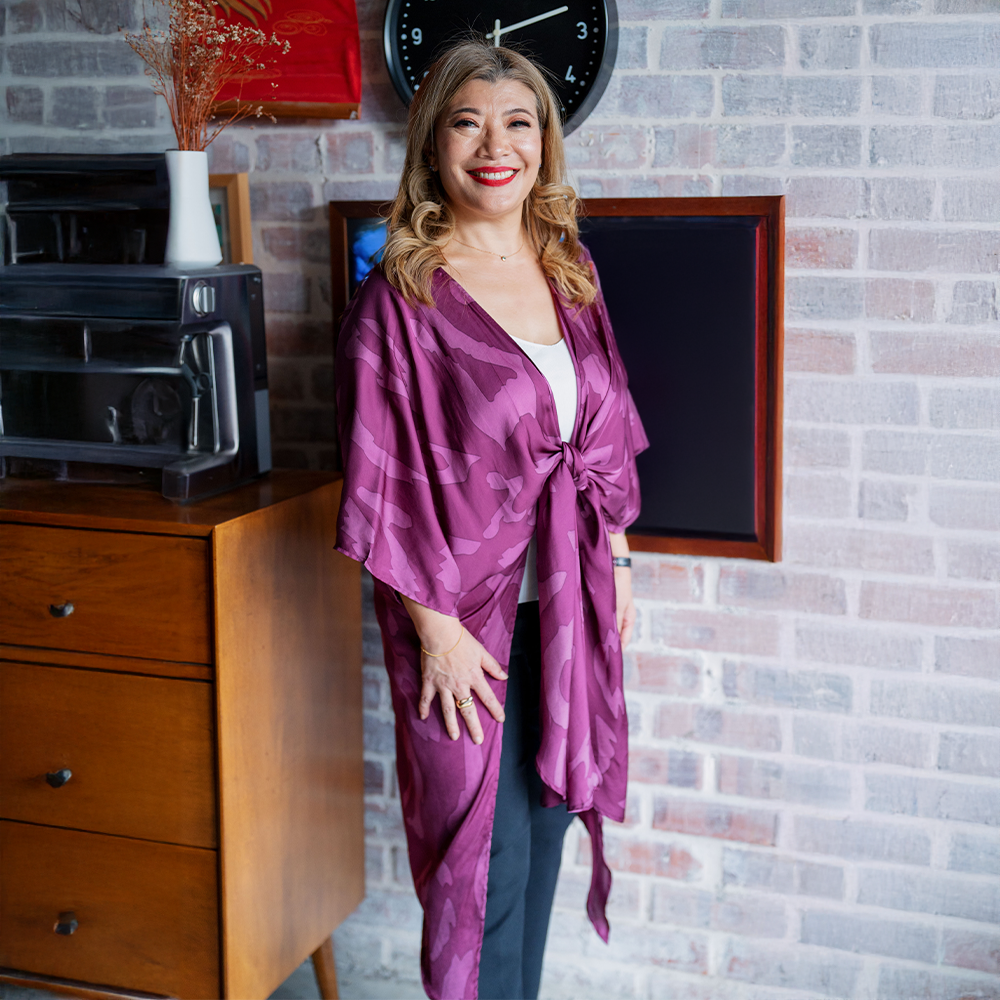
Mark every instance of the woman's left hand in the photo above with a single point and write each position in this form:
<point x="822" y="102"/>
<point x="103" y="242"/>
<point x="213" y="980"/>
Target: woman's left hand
<point x="624" y="605"/>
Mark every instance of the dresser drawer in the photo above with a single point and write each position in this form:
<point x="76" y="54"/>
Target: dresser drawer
<point x="147" y="914"/>
<point x="139" y="749"/>
<point x="105" y="592"/>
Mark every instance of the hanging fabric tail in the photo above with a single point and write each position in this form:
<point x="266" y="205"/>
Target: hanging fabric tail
<point x="600" y="878"/>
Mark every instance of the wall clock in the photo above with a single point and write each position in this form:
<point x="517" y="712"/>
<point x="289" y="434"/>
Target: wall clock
<point x="576" y="40"/>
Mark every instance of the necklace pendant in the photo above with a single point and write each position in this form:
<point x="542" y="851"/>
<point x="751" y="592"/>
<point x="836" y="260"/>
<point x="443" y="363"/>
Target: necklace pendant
<point x="503" y="258"/>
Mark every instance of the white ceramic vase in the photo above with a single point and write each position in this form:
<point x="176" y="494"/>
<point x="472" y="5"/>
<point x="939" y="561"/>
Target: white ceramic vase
<point x="192" y="239"/>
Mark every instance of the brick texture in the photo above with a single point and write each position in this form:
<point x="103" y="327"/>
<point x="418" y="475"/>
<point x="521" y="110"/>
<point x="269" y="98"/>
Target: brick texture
<point x="856" y="840"/>
<point x="976" y="854"/>
<point x="813" y="805"/>
<point x="796" y="969"/>
<point x="867" y="743"/>
<point x="872" y="936"/>
<point x="768" y="779"/>
<point x="722" y="728"/>
<point x="778" y="873"/>
<point x="926" y="892"/>
<point x="827" y="351"/>
<point x="807" y="690"/>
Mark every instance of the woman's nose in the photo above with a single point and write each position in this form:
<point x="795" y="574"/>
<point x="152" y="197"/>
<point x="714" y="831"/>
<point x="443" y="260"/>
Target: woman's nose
<point x="494" y="143"/>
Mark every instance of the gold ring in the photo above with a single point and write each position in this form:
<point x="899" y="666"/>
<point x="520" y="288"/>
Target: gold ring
<point x="464" y="703"/>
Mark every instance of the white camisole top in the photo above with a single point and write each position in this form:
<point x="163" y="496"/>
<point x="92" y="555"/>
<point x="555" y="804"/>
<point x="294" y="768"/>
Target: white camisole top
<point x="556" y="364"/>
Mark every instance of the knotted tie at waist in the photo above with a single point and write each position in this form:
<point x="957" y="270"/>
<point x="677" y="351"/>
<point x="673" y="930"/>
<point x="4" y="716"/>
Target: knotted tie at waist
<point x="576" y="465"/>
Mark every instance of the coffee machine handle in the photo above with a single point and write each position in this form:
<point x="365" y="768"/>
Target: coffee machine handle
<point x="177" y="477"/>
<point x="225" y="415"/>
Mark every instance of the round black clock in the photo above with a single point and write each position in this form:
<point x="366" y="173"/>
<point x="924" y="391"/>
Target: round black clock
<point x="576" y="40"/>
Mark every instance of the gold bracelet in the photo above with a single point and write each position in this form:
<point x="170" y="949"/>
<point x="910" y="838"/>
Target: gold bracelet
<point x="452" y="650"/>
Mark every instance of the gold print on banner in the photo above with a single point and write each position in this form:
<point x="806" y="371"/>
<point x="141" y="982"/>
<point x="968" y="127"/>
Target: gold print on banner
<point x="246" y="8"/>
<point x="307" y="22"/>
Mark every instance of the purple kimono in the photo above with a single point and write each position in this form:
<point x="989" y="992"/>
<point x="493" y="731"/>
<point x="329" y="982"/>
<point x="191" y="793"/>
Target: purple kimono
<point x="451" y="450"/>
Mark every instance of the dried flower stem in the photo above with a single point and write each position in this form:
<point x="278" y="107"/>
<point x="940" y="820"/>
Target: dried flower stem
<point x="194" y="59"/>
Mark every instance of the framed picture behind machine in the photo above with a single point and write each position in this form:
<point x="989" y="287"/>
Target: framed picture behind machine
<point x="230" y="198"/>
<point x="357" y="235"/>
<point x="694" y="287"/>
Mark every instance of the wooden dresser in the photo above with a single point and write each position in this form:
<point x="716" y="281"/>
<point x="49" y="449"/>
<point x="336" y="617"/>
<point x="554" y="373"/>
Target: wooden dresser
<point x="181" y="777"/>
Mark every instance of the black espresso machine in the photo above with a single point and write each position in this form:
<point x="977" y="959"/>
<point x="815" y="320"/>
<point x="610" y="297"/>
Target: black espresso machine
<point x="110" y="360"/>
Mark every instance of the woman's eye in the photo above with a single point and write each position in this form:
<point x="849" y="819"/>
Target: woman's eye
<point x="466" y="123"/>
<point x="520" y="123"/>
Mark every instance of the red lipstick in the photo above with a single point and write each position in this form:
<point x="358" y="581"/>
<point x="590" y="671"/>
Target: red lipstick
<point x="493" y="176"/>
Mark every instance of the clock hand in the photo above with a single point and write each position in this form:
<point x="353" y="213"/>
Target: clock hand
<point x="498" y="31"/>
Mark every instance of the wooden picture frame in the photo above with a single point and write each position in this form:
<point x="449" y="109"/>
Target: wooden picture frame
<point x="765" y="217"/>
<point x="230" y="197"/>
<point x="342" y="216"/>
<point x="760" y="339"/>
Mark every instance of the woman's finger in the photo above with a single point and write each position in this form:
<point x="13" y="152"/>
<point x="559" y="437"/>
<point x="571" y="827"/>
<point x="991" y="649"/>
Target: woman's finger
<point x="628" y="623"/>
<point x="489" y="699"/>
<point x="470" y="715"/>
<point x="490" y="665"/>
<point x="427" y="692"/>
<point x="448" y="711"/>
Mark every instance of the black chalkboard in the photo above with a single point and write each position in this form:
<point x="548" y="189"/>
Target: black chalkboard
<point x="687" y="298"/>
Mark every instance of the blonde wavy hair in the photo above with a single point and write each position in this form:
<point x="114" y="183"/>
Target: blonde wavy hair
<point x="421" y="222"/>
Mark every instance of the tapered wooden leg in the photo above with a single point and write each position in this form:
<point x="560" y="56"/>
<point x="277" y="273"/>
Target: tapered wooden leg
<point x="326" y="970"/>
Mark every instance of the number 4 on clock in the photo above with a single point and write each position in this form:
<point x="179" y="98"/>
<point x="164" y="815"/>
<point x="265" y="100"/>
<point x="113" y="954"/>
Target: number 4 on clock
<point x="569" y="75"/>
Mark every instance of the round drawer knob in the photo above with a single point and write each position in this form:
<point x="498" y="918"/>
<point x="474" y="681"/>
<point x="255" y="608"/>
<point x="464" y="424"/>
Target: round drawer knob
<point x="67" y="923"/>
<point x="61" y="610"/>
<point x="59" y="778"/>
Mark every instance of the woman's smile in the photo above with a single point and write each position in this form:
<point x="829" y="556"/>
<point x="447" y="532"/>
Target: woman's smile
<point x="493" y="176"/>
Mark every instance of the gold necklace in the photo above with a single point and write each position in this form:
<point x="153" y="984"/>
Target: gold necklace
<point x="502" y="256"/>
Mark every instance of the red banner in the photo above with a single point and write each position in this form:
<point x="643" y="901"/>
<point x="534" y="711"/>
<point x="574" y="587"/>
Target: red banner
<point x="320" y="77"/>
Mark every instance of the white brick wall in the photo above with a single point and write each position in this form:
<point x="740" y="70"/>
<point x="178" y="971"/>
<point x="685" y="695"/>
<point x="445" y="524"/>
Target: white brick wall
<point x="814" y="804"/>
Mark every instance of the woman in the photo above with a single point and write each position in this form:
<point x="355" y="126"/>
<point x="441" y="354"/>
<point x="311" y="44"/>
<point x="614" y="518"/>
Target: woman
<point x="489" y="442"/>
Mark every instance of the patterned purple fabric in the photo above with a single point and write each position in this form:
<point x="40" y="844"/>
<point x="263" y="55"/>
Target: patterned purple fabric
<point x="451" y="444"/>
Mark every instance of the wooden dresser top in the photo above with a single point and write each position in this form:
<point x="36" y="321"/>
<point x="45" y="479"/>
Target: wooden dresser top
<point x="140" y="508"/>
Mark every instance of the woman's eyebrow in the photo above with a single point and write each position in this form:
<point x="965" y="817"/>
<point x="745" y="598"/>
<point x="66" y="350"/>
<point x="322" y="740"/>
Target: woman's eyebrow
<point x="477" y="111"/>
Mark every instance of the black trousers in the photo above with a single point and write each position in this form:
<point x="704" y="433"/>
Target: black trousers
<point x="527" y="838"/>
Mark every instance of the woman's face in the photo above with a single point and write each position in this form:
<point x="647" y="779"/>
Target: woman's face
<point x="488" y="148"/>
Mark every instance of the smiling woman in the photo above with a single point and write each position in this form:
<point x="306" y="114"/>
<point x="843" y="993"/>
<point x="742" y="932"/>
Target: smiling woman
<point x="519" y="132"/>
<point x="487" y="151"/>
<point x="489" y="444"/>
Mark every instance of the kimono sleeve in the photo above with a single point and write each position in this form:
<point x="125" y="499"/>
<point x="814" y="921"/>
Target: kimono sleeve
<point x="388" y="521"/>
<point x="620" y="514"/>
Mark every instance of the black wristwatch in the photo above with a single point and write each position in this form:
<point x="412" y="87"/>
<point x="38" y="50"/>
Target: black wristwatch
<point x="622" y="561"/>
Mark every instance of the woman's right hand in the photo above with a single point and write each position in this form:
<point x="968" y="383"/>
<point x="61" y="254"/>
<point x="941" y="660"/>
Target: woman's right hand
<point x="457" y="674"/>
